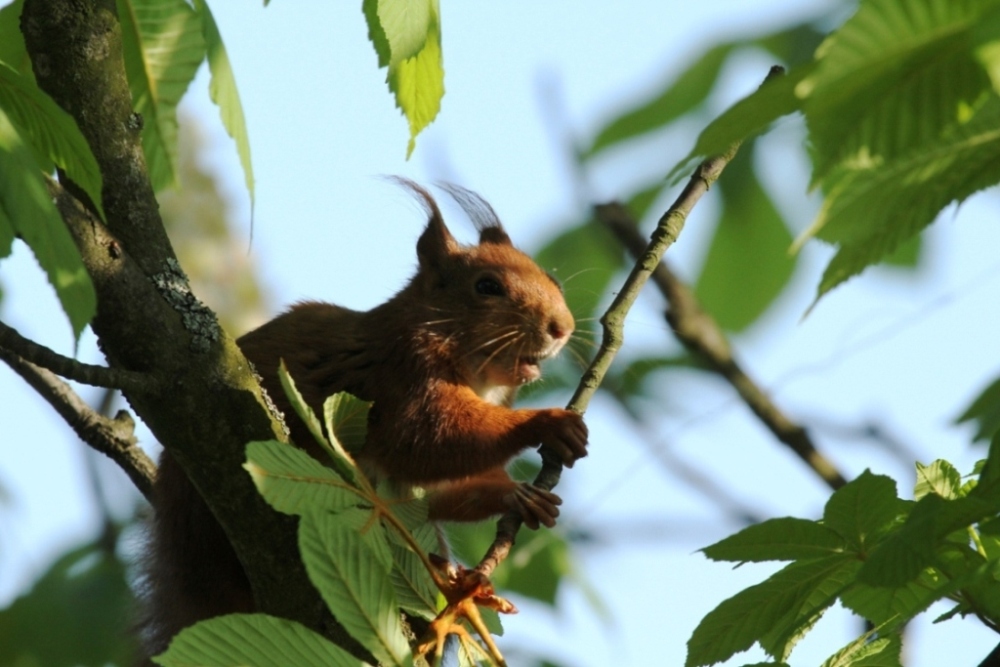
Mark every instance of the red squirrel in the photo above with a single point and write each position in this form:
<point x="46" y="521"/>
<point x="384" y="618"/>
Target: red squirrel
<point x="441" y="361"/>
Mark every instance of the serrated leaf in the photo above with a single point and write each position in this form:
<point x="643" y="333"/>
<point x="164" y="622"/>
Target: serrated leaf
<point x="351" y="570"/>
<point x="346" y="419"/>
<point x="939" y="477"/>
<point x="51" y="133"/>
<point x="798" y="620"/>
<point x="892" y="78"/>
<point x="907" y="551"/>
<point x="748" y="117"/>
<point x="376" y="34"/>
<point x="749" y="249"/>
<point x="253" y="640"/>
<point x="300" y="406"/>
<point x="164" y="45"/>
<point x="675" y="99"/>
<point x="406" y="25"/>
<point x="414" y="587"/>
<point x="29" y="211"/>
<point x="985" y="412"/>
<point x="868" y="652"/>
<point x="752" y="613"/>
<point x="223" y="92"/>
<point x="890" y="608"/>
<point x="786" y="538"/>
<point x="293" y="482"/>
<point x="863" y="510"/>
<point x="418" y="83"/>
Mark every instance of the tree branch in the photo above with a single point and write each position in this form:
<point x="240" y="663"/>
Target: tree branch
<point x="97" y="376"/>
<point x="667" y="230"/>
<point x="115" y="438"/>
<point x="701" y="334"/>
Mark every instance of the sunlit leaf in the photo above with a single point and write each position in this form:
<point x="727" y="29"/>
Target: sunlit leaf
<point x="12" y="50"/>
<point x="351" y="571"/>
<point x="164" y="45"/>
<point x="871" y="209"/>
<point x="29" y="211"/>
<point x="940" y="477"/>
<point x="223" y="92"/>
<point x="868" y="652"/>
<point x="346" y="419"/>
<point x="253" y="640"/>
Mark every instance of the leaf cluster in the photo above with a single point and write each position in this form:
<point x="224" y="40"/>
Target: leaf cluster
<point x="367" y="556"/>
<point x="165" y="42"/>
<point x="885" y="558"/>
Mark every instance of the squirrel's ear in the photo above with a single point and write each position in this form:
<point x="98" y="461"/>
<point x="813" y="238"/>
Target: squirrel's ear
<point x="436" y="244"/>
<point x="483" y="216"/>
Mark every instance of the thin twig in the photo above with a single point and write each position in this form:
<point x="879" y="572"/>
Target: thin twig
<point x="667" y="230"/>
<point x="114" y="438"/>
<point x="701" y="334"/>
<point x="97" y="376"/>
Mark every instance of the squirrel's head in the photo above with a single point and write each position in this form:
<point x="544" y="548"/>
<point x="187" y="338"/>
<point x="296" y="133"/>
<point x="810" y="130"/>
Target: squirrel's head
<point x="496" y="309"/>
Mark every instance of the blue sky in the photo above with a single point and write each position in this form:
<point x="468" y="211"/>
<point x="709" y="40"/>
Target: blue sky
<point x="908" y="352"/>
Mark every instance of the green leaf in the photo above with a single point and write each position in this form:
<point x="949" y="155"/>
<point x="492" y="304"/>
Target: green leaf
<point x="778" y="539"/>
<point x="418" y="83"/>
<point x="376" y="33"/>
<point x="675" y="99"/>
<point x="414" y="588"/>
<point x="892" y="78"/>
<point x="868" y="652"/>
<point x="939" y="477"/>
<point x="985" y="412"/>
<point x="890" y="608"/>
<point x="164" y="45"/>
<point x="538" y="566"/>
<point x="28" y="210"/>
<point x="301" y="408"/>
<point x="748" y="264"/>
<point x="406" y="25"/>
<point x="748" y="117"/>
<point x="51" y="132"/>
<point x="75" y="614"/>
<point x="12" y="50"/>
<point x="799" y="619"/>
<point x="351" y="570"/>
<point x="223" y="92"/>
<point x="293" y="482"/>
<point x="253" y="640"/>
<point x="907" y="551"/>
<point x="863" y="510"/>
<point x="346" y="419"/>
<point x="752" y="613"/>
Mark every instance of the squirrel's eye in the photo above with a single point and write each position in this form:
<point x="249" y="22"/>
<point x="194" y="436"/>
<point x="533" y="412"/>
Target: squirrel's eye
<point x="489" y="287"/>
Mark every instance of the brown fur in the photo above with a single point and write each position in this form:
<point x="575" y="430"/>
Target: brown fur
<point x="441" y="360"/>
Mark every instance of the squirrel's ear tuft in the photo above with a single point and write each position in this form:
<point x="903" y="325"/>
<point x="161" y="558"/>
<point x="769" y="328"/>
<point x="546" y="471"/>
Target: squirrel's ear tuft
<point x="435" y="243"/>
<point x="483" y="216"/>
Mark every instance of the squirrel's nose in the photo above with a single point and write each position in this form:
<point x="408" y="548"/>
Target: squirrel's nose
<point x="560" y="330"/>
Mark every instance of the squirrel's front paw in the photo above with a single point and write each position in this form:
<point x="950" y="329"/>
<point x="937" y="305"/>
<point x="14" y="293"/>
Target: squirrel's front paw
<point x="536" y="506"/>
<point x="565" y="432"/>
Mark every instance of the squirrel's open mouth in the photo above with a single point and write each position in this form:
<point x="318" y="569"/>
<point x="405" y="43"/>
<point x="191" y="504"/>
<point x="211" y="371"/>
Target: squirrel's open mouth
<point x="528" y="369"/>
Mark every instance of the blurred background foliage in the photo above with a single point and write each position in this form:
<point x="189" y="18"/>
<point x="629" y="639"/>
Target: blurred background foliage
<point x="75" y="613"/>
